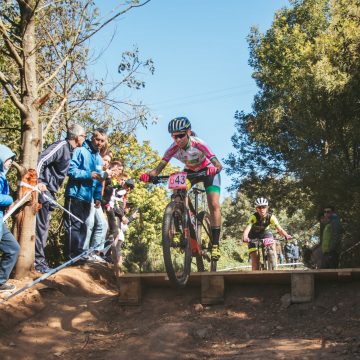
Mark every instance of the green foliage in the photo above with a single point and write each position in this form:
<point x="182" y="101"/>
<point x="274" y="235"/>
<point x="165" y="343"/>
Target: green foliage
<point x="10" y="133"/>
<point x="144" y="251"/>
<point x="301" y="142"/>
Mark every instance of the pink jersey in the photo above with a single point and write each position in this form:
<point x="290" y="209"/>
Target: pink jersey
<point x="195" y="156"/>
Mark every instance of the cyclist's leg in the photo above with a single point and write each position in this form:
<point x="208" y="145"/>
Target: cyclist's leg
<point x="255" y="261"/>
<point x="212" y="186"/>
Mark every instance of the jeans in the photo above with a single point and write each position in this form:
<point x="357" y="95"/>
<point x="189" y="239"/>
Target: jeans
<point x="10" y="249"/>
<point x="97" y="228"/>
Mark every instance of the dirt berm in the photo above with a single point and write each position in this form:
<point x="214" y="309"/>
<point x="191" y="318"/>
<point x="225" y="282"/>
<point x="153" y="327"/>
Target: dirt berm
<point x="75" y="314"/>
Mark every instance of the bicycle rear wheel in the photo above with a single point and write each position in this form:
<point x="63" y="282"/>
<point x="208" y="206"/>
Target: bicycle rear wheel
<point x="204" y="236"/>
<point x="176" y="244"/>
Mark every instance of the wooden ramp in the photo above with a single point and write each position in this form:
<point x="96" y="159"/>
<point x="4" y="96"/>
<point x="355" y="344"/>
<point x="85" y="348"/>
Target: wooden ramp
<point x="213" y="285"/>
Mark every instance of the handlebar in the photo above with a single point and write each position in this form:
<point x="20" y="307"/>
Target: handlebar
<point x="161" y="178"/>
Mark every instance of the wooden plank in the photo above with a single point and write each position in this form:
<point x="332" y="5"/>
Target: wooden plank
<point x="250" y="277"/>
<point x="344" y="274"/>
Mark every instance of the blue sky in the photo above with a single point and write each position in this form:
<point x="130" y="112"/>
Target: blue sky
<point x="201" y="57"/>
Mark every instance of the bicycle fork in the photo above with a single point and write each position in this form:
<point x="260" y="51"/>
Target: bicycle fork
<point x="190" y="234"/>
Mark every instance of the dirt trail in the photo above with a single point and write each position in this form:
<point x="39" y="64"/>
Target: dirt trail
<point x="76" y="315"/>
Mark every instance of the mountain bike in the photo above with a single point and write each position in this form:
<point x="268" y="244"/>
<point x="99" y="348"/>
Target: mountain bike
<point x="266" y="253"/>
<point x="186" y="232"/>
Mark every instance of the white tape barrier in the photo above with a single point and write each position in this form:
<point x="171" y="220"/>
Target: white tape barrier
<point x="50" y="199"/>
<point x="16" y="206"/>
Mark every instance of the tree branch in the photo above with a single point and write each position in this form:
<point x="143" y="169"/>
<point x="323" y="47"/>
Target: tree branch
<point x="56" y="113"/>
<point x="21" y="169"/>
<point x="74" y="43"/>
<point x="6" y="84"/>
<point x="110" y="20"/>
<point x="10" y="45"/>
<point x="56" y="71"/>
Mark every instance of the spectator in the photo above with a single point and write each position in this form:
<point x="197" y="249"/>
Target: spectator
<point x="128" y="186"/>
<point x="288" y="251"/>
<point x="279" y="251"/>
<point x="330" y="238"/>
<point x="83" y="188"/>
<point x="296" y="252"/>
<point x="52" y="168"/>
<point x="8" y="245"/>
<point x="111" y="184"/>
<point x="123" y="224"/>
<point x="96" y="223"/>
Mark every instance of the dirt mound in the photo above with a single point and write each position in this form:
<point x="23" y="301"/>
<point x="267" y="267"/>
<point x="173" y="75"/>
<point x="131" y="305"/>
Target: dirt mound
<point x="94" y="280"/>
<point x="76" y="315"/>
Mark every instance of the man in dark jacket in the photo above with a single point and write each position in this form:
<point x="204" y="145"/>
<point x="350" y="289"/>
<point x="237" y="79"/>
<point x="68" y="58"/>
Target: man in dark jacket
<point x="83" y="188"/>
<point x="52" y="168"/>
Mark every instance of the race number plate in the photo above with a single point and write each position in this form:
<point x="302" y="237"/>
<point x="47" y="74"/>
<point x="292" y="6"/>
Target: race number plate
<point x="177" y="181"/>
<point x="268" y="241"/>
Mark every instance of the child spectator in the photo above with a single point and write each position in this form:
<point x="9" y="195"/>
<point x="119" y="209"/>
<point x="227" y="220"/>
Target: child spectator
<point x="123" y="223"/>
<point x="111" y="185"/>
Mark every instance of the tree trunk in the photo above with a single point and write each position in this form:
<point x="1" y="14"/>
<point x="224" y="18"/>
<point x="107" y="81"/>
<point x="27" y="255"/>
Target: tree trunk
<point x="25" y="223"/>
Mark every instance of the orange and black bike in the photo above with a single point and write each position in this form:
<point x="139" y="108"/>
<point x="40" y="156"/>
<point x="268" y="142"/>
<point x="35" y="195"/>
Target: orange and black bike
<point x="186" y="232"/>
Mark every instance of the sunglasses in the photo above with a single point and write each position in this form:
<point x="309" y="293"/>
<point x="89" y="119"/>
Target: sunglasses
<point x="179" y="136"/>
<point x="261" y="207"/>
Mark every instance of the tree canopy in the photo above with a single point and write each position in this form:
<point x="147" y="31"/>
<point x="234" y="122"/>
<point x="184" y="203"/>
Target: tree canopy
<point x="302" y="136"/>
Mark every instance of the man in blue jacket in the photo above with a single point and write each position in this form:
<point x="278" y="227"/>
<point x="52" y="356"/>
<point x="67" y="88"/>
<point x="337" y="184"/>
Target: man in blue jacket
<point x="84" y="187"/>
<point x="52" y="169"/>
<point x="8" y="245"/>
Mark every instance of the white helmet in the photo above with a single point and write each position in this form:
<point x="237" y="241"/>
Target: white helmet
<point x="261" y="202"/>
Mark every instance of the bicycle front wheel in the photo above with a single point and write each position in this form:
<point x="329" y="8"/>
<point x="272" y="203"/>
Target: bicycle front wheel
<point x="271" y="259"/>
<point x="176" y="244"/>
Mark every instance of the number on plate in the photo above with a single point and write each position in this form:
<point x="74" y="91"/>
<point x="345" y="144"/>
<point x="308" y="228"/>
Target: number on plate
<point x="177" y="181"/>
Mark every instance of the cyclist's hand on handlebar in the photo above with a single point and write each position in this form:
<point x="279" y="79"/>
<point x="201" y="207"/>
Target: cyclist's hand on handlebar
<point x="246" y="240"/>
<point x="211" y="171"/>
<point x="144" y="178"/>
<point x="288" y="237"/>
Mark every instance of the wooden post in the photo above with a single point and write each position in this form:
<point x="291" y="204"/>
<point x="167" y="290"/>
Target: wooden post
<point x="344" y="274"/>
<point x="130" y="290"/>
<point x="212" y="289"/>
<point x="302" y="287"/>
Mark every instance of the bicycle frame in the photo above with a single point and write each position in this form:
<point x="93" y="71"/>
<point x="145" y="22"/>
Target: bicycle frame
<point x="192" y="212"/>
<point x="263" y="252"/>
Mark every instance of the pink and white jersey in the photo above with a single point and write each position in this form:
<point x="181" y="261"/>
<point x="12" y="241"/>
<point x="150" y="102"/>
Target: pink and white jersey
<point x="195" y="156"/>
